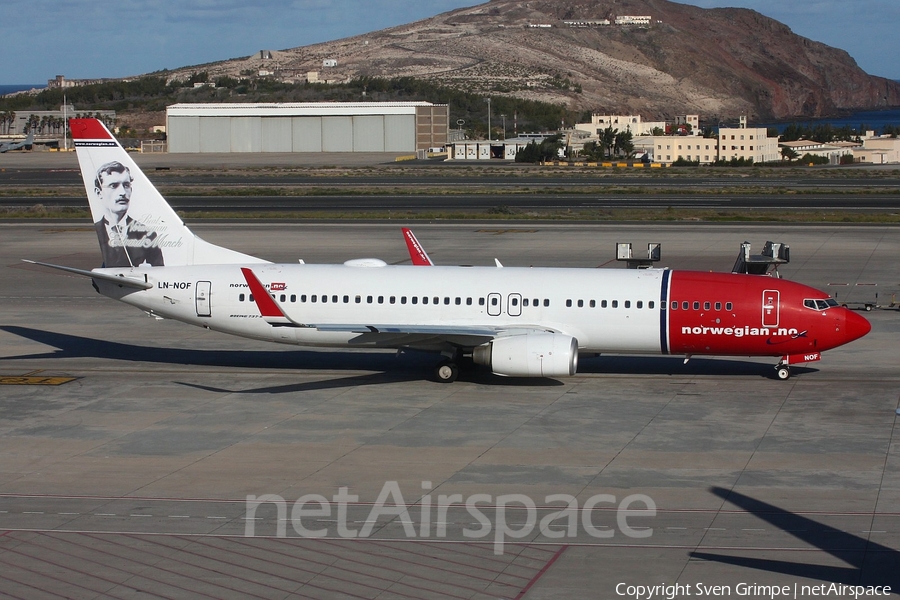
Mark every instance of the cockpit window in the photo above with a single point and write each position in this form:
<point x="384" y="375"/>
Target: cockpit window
<point x="820" y="304"/>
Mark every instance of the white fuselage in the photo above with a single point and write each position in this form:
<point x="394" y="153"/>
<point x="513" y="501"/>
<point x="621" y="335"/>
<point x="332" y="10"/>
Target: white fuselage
<point x="605" y="310"/>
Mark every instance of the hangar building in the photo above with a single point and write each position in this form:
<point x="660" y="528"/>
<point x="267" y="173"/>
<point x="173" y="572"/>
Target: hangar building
<point x="307" y="127"/>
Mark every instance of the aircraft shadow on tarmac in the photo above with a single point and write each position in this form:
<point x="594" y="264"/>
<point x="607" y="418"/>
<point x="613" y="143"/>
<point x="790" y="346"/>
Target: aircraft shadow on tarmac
<point x="869" y="563"/>
<point x="409" y="367"/>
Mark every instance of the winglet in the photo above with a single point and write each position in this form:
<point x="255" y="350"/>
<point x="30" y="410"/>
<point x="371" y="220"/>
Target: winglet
<point x="266" y="303"/>
<point x="416" y="251"/>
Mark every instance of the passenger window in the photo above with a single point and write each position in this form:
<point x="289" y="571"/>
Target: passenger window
<point x="446" y="299"/>
<point x="393" y="300"/>
<point x="324" y="298"/>
<point x="437" y="300"/>
<point x="515" y="301"/>
<point x="369" y="299"/>
<point x="593" y="304"/>
<point x="628" y="304"/>
<point x="358" y="299"/>
<point x="380" y="299"/>
<point x="674" y="304"/>
<point x="402" y="299"/>
<point x="251" y="297"/>
<point x="525" y="302"/>
<point x="293" y="297"/>
<point x="581" y="304"/>
<point x="615" y="304"/>
<point x="346" y="300"/>
<point x="313" y="299"/>
<point x="546" y="301"/>
<point x="424" y="300"/>
<point x="696" y="305"/>
<point x="481" y="302"/>
<point x="639" y="304"/>
<point x="718" y="306"/>
<point x="706" y="306"/>
<point x="468" y="302"/>
<point x="603" y="304"/>
<point x="458" y="300"/>
<point x="302" y="297"/>
<point x="415" y="300"/>
<point x="282" y="298"/>
<point x="334" y="298"/>
<point x="728" y="306"/>
<point x="240" y="298"/>
<point x="651" y="304"/>
<point x="685" y="305"/>
<point x="568" y="303"/>
<point x="494" y="301"/>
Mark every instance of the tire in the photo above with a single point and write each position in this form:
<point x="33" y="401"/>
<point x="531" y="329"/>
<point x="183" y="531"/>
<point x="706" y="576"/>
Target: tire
<point x="446" y="372"/>
<point x="783" y="372"/>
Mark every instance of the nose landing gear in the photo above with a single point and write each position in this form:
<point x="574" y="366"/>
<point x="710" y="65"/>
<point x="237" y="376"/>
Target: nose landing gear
<point x="782" y="371"/>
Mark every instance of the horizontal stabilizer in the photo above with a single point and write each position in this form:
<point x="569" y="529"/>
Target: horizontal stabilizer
<point x="119" y="280"/>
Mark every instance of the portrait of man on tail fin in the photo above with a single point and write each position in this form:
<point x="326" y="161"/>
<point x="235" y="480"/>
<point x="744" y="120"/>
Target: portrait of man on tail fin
<point x="124" y="241"/>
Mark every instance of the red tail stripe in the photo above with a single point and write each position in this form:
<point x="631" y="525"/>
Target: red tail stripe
<point x="88" y="129"/>
<point x="265" y="303"/>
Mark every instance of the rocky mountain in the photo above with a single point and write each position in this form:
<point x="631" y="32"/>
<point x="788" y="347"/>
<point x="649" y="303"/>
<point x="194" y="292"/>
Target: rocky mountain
<point x="719" y="63"/>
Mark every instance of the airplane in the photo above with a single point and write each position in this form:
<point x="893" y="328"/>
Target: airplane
<point x="517" y="321"/>
<point x="27" y="143"/>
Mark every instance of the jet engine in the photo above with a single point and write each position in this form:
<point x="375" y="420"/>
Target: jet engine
<point x="530" y="355"/>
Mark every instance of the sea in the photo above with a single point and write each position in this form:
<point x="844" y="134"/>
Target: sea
<point x="871" y="119"/>
<point x="9" y="89"/>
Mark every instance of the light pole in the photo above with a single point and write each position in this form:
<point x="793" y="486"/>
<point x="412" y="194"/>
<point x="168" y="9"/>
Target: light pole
<point x="503" y="116"/>
<point x="488" y="100"/>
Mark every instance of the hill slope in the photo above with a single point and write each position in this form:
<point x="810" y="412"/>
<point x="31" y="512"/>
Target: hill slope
<point x="715" y="62"/>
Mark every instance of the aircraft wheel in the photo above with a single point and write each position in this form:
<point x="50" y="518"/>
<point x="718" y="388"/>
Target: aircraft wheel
<point x="782" y="372"/>
<point x="446" y="372"/>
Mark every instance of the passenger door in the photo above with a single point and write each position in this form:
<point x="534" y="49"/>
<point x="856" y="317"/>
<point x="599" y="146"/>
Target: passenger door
<point x="202" y="299"/>
<point x="770" y="308"/>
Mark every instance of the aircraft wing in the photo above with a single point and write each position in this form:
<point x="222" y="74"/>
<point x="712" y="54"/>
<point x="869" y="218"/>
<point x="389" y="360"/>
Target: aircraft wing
<point x="393" y="334"/>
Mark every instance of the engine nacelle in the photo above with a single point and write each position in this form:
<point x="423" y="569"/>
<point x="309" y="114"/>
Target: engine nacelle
<point x="530" y="355"/>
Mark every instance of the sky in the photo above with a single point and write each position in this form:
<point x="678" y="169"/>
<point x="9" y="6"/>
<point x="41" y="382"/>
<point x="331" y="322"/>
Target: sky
<point x="85" y="39"/>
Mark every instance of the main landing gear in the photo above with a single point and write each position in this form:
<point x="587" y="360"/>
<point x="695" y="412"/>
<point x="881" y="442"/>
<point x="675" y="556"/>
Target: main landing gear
<point x="782" y="371"/>
<point x="446" y="371"/>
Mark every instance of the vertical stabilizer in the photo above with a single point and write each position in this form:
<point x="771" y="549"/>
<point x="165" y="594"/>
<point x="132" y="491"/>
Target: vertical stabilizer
<point x="135" y="225"/>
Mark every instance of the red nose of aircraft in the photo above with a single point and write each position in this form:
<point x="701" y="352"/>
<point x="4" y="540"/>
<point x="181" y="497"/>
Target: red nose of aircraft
<point x="856" y="326"/>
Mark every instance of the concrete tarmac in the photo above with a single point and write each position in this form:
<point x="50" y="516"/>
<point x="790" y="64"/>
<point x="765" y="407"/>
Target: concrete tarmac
<point x="129" y="446"/>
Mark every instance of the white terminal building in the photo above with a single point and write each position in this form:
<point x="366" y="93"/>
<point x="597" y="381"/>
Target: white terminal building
<point x="307" y="127"/>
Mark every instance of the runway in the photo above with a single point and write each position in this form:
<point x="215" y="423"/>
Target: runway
<point x="129" y="446"/>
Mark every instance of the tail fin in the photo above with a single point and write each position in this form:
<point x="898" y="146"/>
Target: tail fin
<point x="135" y="225"/>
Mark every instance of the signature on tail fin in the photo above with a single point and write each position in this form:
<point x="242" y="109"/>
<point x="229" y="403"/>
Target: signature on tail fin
<point x="135" y="225"/>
